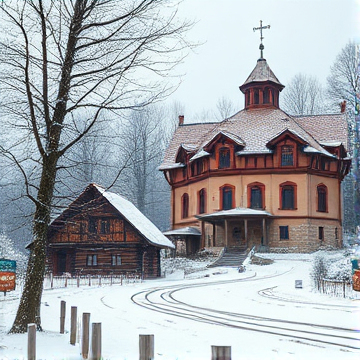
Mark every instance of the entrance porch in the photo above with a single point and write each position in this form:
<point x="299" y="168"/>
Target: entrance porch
<point x="240" y="228"/>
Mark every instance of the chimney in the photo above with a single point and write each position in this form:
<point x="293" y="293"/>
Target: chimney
<point x="343" y="106"/>
<point x="181" y="120"/>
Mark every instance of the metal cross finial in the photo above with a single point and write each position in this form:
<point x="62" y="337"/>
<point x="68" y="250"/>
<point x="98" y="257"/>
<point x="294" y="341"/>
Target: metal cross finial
<point x="261" y="47"/>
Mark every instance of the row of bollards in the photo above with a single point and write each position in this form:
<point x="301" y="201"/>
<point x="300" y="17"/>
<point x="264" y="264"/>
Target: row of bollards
<point x="146" y="342"/>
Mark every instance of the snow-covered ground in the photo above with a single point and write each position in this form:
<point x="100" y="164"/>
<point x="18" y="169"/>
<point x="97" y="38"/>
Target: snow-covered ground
<point x="261" y="291"/>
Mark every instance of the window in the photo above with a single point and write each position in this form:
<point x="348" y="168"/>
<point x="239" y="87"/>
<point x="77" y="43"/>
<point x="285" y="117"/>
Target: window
<point x="92" y="225"/>
<point x="105" y="226"/>
<point x="202" y="201"/>
<point x="284" y="232"/>
<point x="256" y="198"/>
<point x="322" y="198"/>
<point x="266" y="96"/>
<point x="224" y="158"/>
<point x="287" y="156"/>
<point x="288" y="196"/>
<point x="336" y="233"/>
<point x="321" y="233"/>
<point x="115" y="259"/>
<point x="256" y="96"/>
<point x="185" y="206"/>
<point x="227" y="197"/>
<point x="198" y="167"/>
<point x="91" y="260"/>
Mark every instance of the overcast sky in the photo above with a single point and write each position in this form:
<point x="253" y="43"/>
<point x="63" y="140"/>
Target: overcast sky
<point x="305" y="37"/>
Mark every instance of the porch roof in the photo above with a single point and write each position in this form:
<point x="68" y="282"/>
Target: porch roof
<point x="184" y="231"/>
<point x="244" y="213"/>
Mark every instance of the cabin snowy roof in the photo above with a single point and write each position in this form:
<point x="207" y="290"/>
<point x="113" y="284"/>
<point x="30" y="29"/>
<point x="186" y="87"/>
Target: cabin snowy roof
<point x="124" y="207"/>
<point x="136" y="218"/>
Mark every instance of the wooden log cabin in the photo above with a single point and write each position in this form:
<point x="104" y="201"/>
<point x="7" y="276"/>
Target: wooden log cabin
<point x="102" y="233"/>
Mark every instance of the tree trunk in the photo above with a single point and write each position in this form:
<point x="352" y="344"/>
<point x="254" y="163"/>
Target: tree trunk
<point x="29" y="308"/>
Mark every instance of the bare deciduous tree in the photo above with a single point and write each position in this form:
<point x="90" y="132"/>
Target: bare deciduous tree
<point x="303" y="95"/>
<point x="62" y="57"/>
<point x="145" y="136"/>
<point x="343" y="84"/>
<point x="343" y="81"/>
<point x="225" y="108"/>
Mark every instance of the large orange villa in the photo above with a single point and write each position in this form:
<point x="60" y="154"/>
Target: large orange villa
<point x="260" y="178"/>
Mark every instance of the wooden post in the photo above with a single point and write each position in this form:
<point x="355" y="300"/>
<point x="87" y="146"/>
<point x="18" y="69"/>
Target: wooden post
<point x="73" y="325"/>
<point x="31" y="341"/>
<point x="246" y="231"/>
<point x="220" y="352"/>
<point x="62" y="316"/>
<point x="226" y="233"/>
<point x="78" y="281"/>
<point x="146" y="347"/>
<point x="96" y="341"/>
<point x="85" y="335"/>
<point x="66" y="281"/>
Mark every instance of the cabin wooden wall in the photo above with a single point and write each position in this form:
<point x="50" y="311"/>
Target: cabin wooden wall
<point x="109" y="234"/>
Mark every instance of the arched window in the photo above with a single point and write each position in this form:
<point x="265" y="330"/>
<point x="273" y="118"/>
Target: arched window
<point x="322" y="198"/>
<point x="185" y="206"/>
<point x="202" y="201"/>
<point x="224" y="158"/>
<point x="227" y="197"/>
<point x="256" y="195"/>
<point x="288" y="199"/>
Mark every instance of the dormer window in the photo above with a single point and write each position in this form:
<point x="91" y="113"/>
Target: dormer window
<point x="224" y="158"/>
<point x="287" y="155"/>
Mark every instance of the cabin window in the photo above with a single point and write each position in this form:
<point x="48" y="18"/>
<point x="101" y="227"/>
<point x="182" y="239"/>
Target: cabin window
<point x="115" y="259"/>
<point x="202" y="201"/>
<point x="92" y="225"/>
<point x="322" y="198"/>
<point x="91" y="260"/>
<point x="284" y="232"/>
<point x="288" y="196"/>
<point x="224" y="158"/>
<point x="227" y="195"/>
<point x="321" y="233"/>
<point x="185" y="206"/>
<point x="287" y="155"/>
<point x="105" y="226"/>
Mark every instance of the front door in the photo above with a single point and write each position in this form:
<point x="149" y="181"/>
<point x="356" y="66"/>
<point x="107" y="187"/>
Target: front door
<point x="61" y="263"/>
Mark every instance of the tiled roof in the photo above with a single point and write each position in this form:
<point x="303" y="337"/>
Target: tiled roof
<point x="328" y="128"/>
<point x="257" y="127"/>
<point x="262" y="73"/>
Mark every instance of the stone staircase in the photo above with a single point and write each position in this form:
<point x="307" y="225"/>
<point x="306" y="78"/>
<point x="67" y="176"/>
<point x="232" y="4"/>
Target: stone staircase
<point x="232" y="257"/>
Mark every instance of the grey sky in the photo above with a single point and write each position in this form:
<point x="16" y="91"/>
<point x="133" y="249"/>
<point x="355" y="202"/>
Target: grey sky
<point x="305" y="36"/>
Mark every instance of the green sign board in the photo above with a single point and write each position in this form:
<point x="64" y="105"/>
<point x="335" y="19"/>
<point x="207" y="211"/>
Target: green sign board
<point x="7" y="265"/>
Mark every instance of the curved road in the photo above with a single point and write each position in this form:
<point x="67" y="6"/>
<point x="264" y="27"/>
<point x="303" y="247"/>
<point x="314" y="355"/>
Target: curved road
<point x="167" y="300"/>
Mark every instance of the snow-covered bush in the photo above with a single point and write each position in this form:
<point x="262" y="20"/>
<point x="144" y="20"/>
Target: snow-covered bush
<point x="319" y="270"/>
